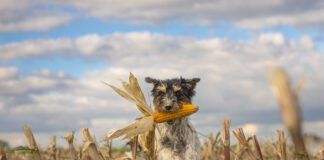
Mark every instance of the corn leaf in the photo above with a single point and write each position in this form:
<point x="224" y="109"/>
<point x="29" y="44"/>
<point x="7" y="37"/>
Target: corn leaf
<point x="121" y="92"/>
<point x="140" y="126"/>
<point x="136" y="88"/>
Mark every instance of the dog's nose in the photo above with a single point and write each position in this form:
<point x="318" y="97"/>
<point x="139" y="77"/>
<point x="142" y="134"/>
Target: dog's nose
<point x="168" y="108"/>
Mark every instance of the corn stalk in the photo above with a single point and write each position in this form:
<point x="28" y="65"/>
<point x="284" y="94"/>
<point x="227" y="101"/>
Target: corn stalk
<point x="69" y="137"/>
<point x="226" y="139"/>
<point x="257" y="147"/>
<point x="32" y="142"/>
<point x="290" y="110"/>
<point x="2" y="153"/>
<point x="239" y="134"/>
<point x="90" y="147"/>
<point x="107" y="149"/>
<point x="52" y="148"/>
<point x="282" y="145"/>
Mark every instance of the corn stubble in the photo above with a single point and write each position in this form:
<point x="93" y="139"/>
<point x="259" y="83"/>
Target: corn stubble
<point x="32" y="143"/>
<point x="2" y="153"/>
<point x="141" y="133"/>
<point x="52" y="148"/>
<point x="226" y="139"/>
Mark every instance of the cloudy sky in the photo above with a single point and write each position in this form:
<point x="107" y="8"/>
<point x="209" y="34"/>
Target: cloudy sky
<point x="54" y="55"/>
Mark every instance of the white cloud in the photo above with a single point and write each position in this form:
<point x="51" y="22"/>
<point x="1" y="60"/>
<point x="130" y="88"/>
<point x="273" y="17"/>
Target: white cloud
<point x="14" y="138"/>
<point x="35" y="23"/>
<point x="276" y="39"/>
<point x="7" y="72"/>
<point x="88" y="44"/>
<point x="252" y="14"/>
<point x="1" y="107"/>
<point x="147" y="11"/>
<point x="234" y="82"/>
<point x="309" y="18"/>
<point x="30" y="15"/>
<point x="34" y="48"/>
<point x="250" y="129"/>
<point x="8" y="8"/>
<point x="314" y="127"/>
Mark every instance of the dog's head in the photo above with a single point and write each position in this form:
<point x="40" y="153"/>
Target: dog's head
<point x="170" y="94"/>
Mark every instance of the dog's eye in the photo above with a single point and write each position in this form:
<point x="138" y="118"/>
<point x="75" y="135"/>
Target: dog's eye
<point x="160" y="92"/>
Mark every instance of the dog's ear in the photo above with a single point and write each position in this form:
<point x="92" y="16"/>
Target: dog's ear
<point x="151" y="80"/>
<point x="191" y="83"/>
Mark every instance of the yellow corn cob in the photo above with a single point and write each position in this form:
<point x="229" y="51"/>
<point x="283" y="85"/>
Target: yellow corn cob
<point x="186" y="110"/>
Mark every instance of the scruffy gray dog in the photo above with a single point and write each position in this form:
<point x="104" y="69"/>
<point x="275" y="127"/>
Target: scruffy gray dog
<point x="176" y="139"/>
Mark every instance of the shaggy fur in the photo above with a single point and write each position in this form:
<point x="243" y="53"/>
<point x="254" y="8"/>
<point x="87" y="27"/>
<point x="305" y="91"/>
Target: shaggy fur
<point x="177" y="139"/>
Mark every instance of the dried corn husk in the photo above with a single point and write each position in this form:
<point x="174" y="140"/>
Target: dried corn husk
<point x="140" y="126"/>
<point x="143" y="127"/>
<point x="133" y="93"/>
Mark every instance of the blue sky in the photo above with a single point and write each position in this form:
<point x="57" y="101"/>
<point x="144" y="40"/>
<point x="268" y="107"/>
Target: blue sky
<point x="54" y="55"/>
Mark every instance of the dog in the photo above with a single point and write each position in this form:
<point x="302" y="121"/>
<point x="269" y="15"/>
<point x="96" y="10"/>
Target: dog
<point x="176" y="139"/>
